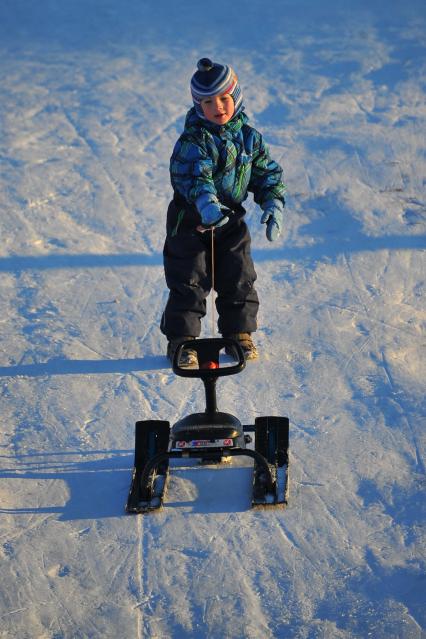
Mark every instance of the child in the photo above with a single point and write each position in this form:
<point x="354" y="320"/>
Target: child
<point x="216" y="161"/>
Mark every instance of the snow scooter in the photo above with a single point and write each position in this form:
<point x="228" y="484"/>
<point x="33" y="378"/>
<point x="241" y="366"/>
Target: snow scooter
<point x="211" y="436"/>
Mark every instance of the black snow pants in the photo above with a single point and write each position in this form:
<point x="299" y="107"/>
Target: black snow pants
<point x="187" y="266"/>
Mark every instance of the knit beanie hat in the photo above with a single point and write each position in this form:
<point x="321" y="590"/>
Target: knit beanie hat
<point x="213" y="79"/>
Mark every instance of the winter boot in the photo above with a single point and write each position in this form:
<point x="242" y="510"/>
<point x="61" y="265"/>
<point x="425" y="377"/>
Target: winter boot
<point x="188" y="357"/>
<point x="246" y="343"/>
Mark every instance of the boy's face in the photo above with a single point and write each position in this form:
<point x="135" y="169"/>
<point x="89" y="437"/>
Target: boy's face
<point x="218" y="109"/>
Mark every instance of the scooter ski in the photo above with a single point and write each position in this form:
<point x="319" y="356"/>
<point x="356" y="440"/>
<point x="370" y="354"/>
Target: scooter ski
<point x="211" y="436"/>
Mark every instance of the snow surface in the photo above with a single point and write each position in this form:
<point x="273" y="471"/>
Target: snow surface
<point x="93" y="97"/>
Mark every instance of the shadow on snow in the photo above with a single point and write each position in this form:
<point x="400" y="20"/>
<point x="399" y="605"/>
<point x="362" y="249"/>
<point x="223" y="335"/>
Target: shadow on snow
<point x="62" y="261"/>
<point x="59" y="366"/>
<point x="98" y="488"/>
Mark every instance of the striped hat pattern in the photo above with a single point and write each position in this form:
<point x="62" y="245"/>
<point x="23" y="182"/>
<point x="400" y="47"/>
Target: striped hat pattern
<point x="212" y="79"/>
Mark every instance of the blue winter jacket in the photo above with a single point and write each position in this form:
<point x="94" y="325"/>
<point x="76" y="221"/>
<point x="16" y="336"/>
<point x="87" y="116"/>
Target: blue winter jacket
<point x="218" y="166"/>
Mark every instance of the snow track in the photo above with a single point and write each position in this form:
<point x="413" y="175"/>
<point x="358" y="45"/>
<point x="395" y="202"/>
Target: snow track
<point x="92" y="101"/>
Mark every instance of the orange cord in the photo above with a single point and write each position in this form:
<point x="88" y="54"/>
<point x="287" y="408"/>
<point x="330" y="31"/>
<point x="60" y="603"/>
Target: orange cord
<point x="213" y="285"/>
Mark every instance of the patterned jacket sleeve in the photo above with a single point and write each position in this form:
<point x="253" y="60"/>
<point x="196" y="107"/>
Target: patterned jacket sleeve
<point x="266" y="175"/>
<point x="191" y="174"/>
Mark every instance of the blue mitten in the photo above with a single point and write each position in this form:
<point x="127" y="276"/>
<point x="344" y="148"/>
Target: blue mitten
<point x="273" y="218"/>
<point x="213" y="216"/>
